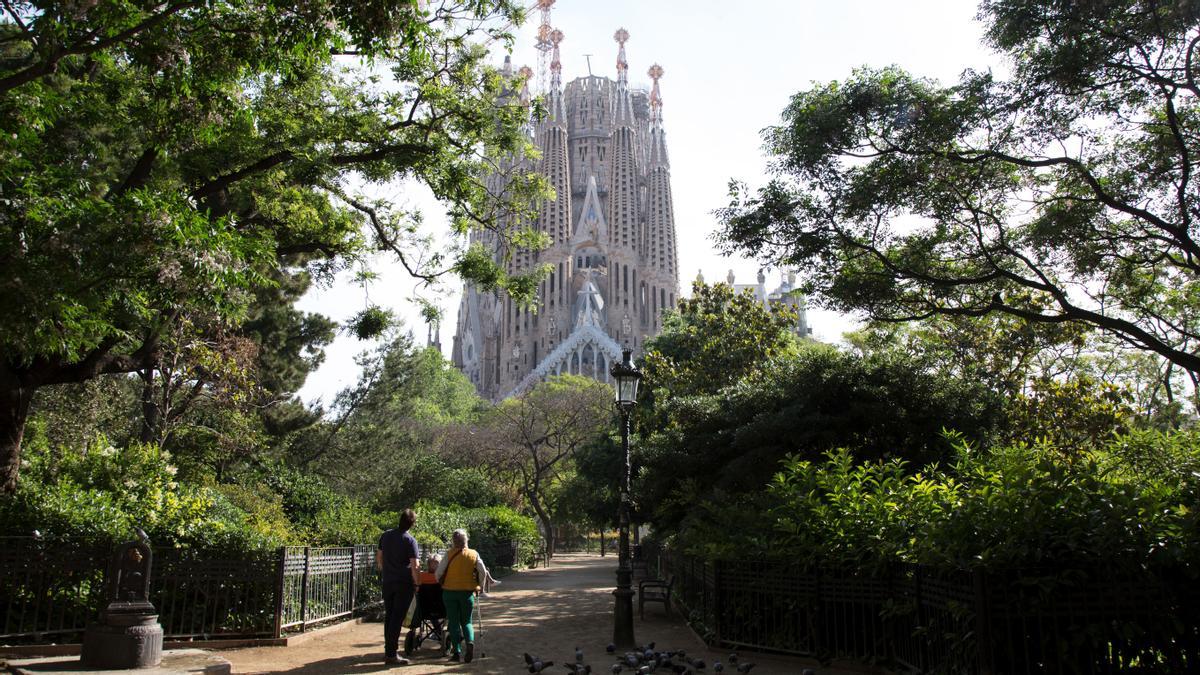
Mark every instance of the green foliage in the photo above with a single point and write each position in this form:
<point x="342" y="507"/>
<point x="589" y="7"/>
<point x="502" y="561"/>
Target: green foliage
<point x="99" y="493"/>
<point x="380" y="445"/>
<point x="1062" y="194"/>
<point x="176" y="161"/>
<point x="370" y="323"/>
<point x="487" y="527"/>
<point x="430" y="478"/>
<point x="1017" y="506"/>
<point x="715" y="338"/>
<point x="534" y="437"/>
<point x="1071" y="415"/>
<point x="319" y="514"/>
<point x="729" y="443"/>
<point x="591" y="494"/>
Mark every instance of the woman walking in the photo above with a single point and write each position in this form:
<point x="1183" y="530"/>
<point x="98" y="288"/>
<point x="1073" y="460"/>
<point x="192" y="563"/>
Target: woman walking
<point x="461" y="571"/>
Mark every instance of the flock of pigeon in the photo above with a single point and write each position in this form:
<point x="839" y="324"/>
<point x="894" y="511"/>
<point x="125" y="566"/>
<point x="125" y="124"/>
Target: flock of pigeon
<point x="646" y="660"/>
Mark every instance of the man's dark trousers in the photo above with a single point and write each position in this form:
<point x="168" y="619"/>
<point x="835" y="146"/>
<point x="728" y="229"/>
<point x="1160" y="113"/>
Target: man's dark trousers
<point x="396" y="599"/>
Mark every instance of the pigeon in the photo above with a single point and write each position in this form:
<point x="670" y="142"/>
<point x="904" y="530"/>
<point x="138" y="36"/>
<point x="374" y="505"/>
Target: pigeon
<point x="610" y="648"/>
<point x="698" y="664"/>
<point x="745" y="667"/>
<point x="808" y="671"/>
<point x="718" y="667"/>
<point x="733" y="659"/>
<point x="578" y="655"/>
<point x="616" y="668"/>
<point x="536" y="665"/>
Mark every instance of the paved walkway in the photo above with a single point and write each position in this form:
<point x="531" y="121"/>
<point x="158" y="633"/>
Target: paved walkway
<point x="546" y="612"/>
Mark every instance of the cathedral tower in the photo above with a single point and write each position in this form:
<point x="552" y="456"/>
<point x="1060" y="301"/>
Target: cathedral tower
<point x="611" y="226"/>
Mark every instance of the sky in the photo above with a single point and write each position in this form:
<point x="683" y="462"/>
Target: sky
<point x="730" y="68"/>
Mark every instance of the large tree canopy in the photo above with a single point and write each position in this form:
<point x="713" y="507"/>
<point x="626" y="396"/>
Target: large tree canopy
<point x="159" y="159"/>
<point x="1064" y="193"/>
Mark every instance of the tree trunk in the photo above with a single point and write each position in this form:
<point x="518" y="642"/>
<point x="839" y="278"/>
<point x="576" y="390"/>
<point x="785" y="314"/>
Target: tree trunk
<point x="547" y="525"/>
<point x="150" y="410"/>
<point x="14" y="409"/>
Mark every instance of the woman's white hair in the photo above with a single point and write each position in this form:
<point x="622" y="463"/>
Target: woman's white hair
<point x="460" y="538"/>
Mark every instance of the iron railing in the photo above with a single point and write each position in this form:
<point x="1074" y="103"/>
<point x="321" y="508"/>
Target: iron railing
<point x="928" y="620"/>
<point x="50" y="589"/>
<point x="323" y="584"/>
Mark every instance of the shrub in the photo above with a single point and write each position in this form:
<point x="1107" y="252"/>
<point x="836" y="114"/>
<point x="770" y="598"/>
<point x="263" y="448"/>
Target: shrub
<point x="489" y="528"/>
<point x="99" y="493"/>
<point x="1127" y="505"/>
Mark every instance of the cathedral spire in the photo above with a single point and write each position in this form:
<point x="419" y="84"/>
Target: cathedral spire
<point x="558" y="113"/>
<point x="658" y="142"/>
<point x="624" y="103"/>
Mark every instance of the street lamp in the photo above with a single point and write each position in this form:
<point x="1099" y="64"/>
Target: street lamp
<point x="627" y="377"/>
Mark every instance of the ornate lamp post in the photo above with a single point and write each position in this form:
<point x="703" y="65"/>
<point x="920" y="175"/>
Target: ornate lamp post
<point x="627" y="378"/>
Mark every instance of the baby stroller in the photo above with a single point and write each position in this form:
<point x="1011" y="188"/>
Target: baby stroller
<point x="429" y="621"/>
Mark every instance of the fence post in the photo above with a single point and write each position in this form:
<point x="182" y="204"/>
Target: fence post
<point x="353" y="578"/>
<point x="923" y="645"/>
<point x="280" y="570"/>
<point x="304" y="590"/>
<point x="983" y="624"/>
<point x="718" y="603"/>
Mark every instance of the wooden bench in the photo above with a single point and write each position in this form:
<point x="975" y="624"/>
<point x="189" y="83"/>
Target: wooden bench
<point x="655" y="590"/>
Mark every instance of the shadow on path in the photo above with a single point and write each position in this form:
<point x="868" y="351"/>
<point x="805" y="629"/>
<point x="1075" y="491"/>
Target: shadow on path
<point x="547" y="612"/>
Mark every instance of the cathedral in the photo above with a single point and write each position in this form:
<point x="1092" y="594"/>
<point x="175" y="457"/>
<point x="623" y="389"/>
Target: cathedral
<point x="612" y="228"/>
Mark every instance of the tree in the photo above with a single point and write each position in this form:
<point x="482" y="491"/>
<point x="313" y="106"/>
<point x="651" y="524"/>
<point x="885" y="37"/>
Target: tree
<point x="723" y="446"/>
<point x="1064" y="194"/>
<point x="1000" y="351"/>
<point x="535" y="436"/>
<point x="715" y="338"/>
<point x="159" y="160"/>
<point x="383" y="434"/>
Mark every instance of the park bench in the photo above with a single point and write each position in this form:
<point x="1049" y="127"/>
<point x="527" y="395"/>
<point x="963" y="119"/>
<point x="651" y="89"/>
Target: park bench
<point x="655" y="590"/>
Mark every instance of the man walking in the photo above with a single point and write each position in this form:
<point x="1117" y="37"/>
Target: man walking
<point x="396" y="557"/>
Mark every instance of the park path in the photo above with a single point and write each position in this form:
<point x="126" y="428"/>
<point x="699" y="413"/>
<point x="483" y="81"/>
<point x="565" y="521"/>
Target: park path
<point x="546" y="612"/>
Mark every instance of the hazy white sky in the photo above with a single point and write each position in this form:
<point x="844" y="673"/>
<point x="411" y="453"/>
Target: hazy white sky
<point x="730" y="69"/>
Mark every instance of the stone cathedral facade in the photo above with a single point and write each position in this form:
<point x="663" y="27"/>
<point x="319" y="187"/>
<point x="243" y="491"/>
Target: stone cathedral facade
<point x="612" y="225"/>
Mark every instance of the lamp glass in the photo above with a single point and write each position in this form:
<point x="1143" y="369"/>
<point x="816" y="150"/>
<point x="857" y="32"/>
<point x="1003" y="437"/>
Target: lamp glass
<point x="627" y="386"/>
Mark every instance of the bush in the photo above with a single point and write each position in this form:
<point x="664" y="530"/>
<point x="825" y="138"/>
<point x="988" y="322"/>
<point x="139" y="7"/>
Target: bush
<point x="320" y="515"/>
<point x="99" y="493"/>
<point x="490" y="528"/>
<point x="1012" y="507"/>
<point x="730" y="443"/>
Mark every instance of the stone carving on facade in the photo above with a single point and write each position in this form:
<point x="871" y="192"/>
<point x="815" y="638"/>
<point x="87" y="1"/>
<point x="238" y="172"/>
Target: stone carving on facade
<point x="612" y="232"/>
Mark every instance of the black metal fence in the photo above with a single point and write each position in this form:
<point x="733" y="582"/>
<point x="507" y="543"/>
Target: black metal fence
<point x="51" y="589"/>
<point x="324" y="584"/>
<point x="938" y="621"/>
<point x="48" y="592"/>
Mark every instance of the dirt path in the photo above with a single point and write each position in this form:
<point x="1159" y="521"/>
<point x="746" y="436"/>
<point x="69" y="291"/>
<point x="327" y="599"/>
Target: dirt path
<point x="546" y="612"/>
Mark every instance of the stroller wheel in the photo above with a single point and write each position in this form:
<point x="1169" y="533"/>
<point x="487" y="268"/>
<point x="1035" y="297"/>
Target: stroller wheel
<point x="410" y="643"/>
